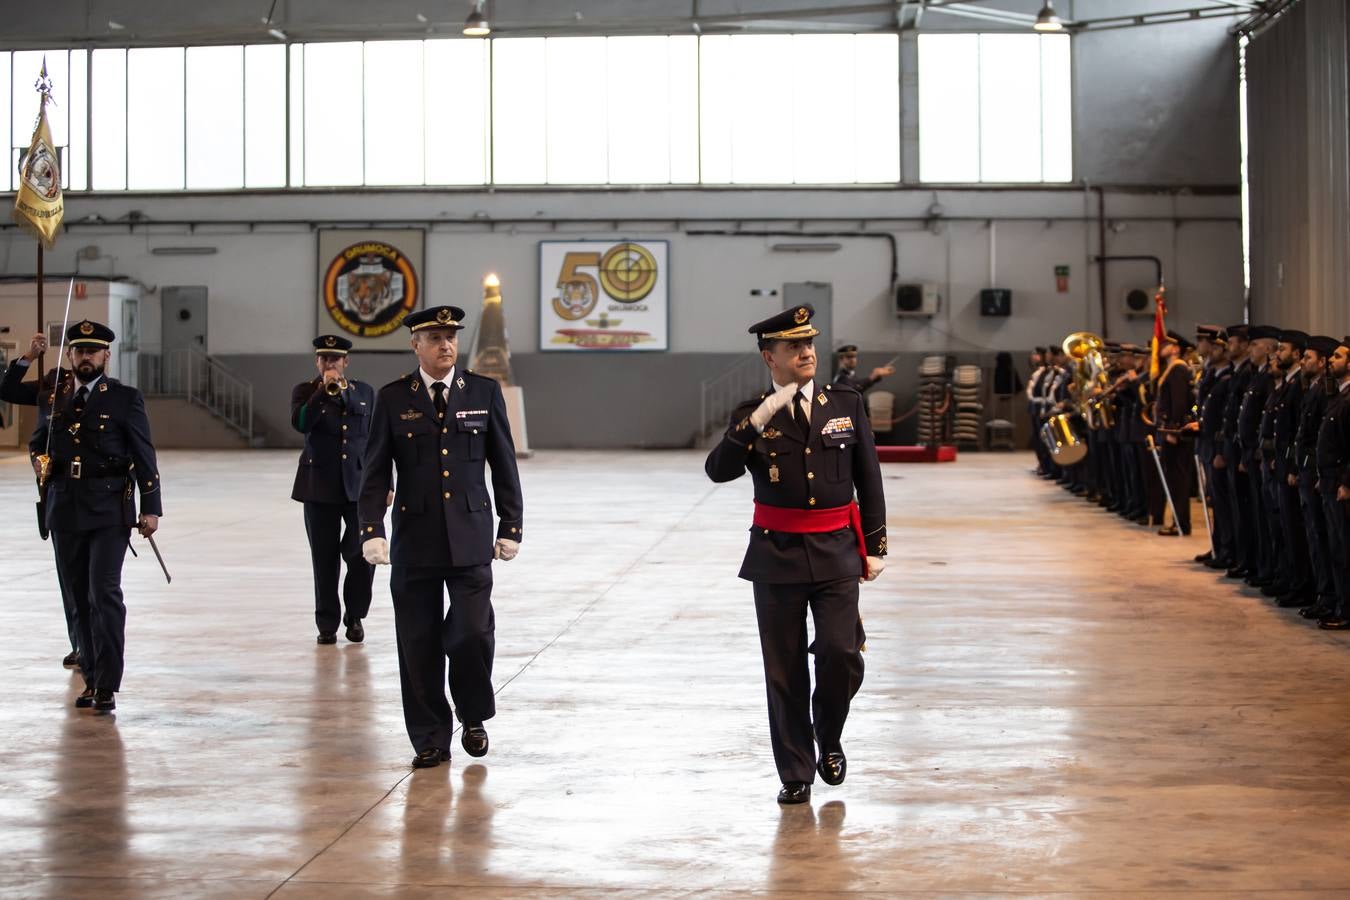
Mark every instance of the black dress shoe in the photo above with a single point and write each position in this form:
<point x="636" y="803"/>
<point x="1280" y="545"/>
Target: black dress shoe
<point x="1316" y="611"/>
<point x="104" y="701"/>
<point x="71" y="660"/>
<point x="1140" y="520"/>
<point x="474" y="739"/>
<point x="356" y="632"/>
<point x="1236" y="572"/>
<point x="1334" y="623"/>
<point x="794" y="792"/>
<point x="832" y="767"/>
<point x="430" y="758"/>
<point x="1273" y="589"/>
<point x="1168" y="531"/>
<point x="1294" y="600"/>
<point x="85" y="700"/>
<point x="1204" y="557"/>
<point x="327" y="637"/>
<point x="1221" y="564"/>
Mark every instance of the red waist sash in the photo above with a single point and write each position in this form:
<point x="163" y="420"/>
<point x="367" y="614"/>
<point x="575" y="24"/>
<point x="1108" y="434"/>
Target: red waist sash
<point x="813" y="521"/>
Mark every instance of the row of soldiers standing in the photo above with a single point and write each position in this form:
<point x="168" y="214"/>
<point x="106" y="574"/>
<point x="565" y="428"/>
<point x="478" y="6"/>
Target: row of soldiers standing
<point x="1255" y="417"/>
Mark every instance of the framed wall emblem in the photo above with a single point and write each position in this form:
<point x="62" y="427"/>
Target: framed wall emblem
<point x="369" y="280"/>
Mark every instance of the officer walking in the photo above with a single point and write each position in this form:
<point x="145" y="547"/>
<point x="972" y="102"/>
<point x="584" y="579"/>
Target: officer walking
<point x="847" y="373"/>
<point x="436" y="427"/>
<point x="333" y="413"/>
<point x="14" y="389"/>
<point x="807" y="448"/>
<point x="100" y="444"/>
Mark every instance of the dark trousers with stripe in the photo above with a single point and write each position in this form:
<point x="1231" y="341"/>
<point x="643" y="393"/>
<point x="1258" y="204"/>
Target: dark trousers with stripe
<point x="1315" y="526"/>
<point x="91" y="570"/>
<point x="1299" y="576"/>
<point x="428" y="635"/>
<point x="1179" y="468"/>
<point x="329" y="544"/>
<point x="798" y="718"/>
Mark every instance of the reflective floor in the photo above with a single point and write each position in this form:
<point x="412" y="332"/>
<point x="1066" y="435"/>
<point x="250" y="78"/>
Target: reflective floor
<point x="1055" y="702"/>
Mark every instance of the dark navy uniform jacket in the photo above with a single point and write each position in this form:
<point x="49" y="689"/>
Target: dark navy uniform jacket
<point x="1313" y="405"/>
<point x="799" y="471"/>
<point x="851" y="379"/>
<point x="1214" y="400"/>
<point x="442" y="513"/>
<point x="1250" y="410"/>
<point x="13" y="388"/>
<point x="96" y="456"/>
<point x="1175" y="401"/>
<point x="1285" y="405"/>
<point x="1333" y="442"/>
<point x="335" y="430"/>
<point x="1237" y="389"/>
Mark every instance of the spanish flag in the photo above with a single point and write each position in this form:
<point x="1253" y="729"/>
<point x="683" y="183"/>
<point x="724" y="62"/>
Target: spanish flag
<point x="39" y="206"/>
<point x="1159" y="332"/>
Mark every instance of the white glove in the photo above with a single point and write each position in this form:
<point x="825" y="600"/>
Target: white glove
<point x="772" y="404"/>
<point x="506" y="549"/>
<point x="376" y="551"/>
<point x="875" y="566"/>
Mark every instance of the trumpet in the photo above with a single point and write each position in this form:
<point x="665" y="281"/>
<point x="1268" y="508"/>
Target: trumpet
<point x="335" y="387"/>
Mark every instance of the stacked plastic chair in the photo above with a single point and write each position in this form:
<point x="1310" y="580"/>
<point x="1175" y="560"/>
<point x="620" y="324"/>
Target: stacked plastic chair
<point x="966" y="382"/>
<point x="933" y="420"/>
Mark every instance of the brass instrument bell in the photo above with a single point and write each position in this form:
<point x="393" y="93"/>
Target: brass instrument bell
<point x="335" y="387"/>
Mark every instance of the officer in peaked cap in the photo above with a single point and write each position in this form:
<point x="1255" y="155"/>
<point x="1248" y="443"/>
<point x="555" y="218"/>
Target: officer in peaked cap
<point x="808" y="449"/>
<point x="333" y="413"/>
<point x="847" y="371"/>
<point x="1318" y="391"/>
<point x="1228" y="456"/>
<point x="437" y="427"/>
<point x="1173" y="411"/>
<point x="1279" y="425"/>
<point x="1211" y="398"/>
<point x="1264" y="341"/>
<point x="1333" y="474"/>
<point x="99" y="445"/>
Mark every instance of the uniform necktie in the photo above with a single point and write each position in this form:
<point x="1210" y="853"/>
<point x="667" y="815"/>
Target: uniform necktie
<point x="439" y="388"/>
<point x="81" y="398"/>
<point x="800" y="414"/>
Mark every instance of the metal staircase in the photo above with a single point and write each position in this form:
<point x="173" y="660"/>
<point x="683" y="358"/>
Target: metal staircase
<point x="193" y="375"/>
<point x="719" y="395"/>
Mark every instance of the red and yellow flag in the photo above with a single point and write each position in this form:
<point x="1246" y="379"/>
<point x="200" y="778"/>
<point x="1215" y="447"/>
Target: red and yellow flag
<point x="1159" y="332"/>
<point x="39" y="206"/>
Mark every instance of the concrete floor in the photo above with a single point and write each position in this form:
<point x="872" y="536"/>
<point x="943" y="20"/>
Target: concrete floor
<point x="1055" y="702"/>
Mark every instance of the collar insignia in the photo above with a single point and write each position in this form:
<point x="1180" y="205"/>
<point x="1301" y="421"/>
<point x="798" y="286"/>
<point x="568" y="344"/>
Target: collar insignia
<point x="459" y="382"/>
<point x="821" y="398"/>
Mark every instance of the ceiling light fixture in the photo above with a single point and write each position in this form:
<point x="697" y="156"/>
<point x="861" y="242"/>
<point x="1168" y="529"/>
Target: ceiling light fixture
<point x="1046" y="20"/>
<point x="476" y="25"/>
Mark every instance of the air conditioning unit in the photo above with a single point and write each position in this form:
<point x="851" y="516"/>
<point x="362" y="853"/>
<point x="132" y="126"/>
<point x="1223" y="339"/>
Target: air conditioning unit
<point x="917" y="300"/>
<point x="1138" y="304"/>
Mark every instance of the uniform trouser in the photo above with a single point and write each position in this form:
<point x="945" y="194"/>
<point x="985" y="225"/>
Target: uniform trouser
<point x="1109" y="487"/>
<point x="1132" y="479"/>
<point x="1092" y="464"/>
<point x="1335" y="512"/>
<point x="1238" y="499"/>
<point x="1298" y="569"/>
<point x="67" y="605"/>
<point x="1263" y="503"/>
<point x="1179" y="468"/>
<point x="793" y="708"/>
<point x="1221" y="501"/>
<point x="1315" y="525"/>
<point x="328" y="544"/>
<point x="428" y="634"/>
<point x="1155" y="500"/>
<point x="91" y="564"/>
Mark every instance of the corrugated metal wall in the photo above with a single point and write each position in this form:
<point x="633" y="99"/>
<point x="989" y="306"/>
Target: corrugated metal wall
<point x="1298" y="114"/>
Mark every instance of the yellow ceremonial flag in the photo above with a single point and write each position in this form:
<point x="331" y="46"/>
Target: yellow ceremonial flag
<point x="39" y="206"/>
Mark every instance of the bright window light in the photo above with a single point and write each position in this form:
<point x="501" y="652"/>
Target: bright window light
<point x="456" y="116"/>
<point x="577" y="104"/>
<point x="155" y="139"/>
<point x="108" y="103"/>
<point x="520" y="111"/>
<point x="215" y="117"/>
<point x="76" y="172"/>
<point x="335" y="118"/>
<point x="995" y="108"/>
<point x="265" y="115"/>
<point x="394" y="113"/>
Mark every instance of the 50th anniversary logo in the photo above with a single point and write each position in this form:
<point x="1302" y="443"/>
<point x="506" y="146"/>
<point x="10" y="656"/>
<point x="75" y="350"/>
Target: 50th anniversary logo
<point x="618" y="291"/>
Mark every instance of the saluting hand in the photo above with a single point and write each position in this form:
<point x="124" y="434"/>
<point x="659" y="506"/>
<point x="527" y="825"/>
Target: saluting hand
<point x="147" y="525"/>
<point x="875" y="566"/>
<point x="772" y="404"/>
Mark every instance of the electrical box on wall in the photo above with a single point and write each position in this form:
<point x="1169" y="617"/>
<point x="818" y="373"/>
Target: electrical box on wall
<point x="917" y="300"/>
<point x="996" y="302"/>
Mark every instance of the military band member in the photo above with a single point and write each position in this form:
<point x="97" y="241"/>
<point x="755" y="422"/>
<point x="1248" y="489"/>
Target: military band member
<point x="437" y="427"/>
<point x="808" y="449"/>
<point x="15" y="389"/>
<point x="333" y="413"/>
<point x="847" y="372"/>
<point x="1304" y="474"/>
<point x="1174" y="408"/>
<point x="1333" y="481"/>
<point x="100" y="444"/>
